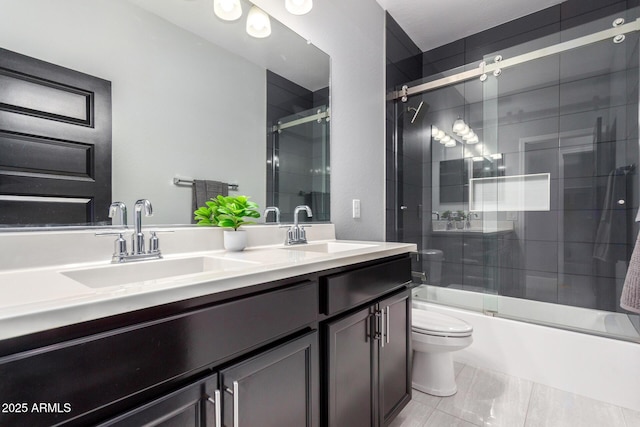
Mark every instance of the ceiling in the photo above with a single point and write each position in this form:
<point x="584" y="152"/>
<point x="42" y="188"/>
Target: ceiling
<point x="433" y="23"/>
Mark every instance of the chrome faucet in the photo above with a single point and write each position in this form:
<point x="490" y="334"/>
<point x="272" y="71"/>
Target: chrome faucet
<point x="137" y="240"/>
<point x="119" y="207"/>
<point x="138" y="250"/>
<point x="273" y="209"/>
<point x="296" y="234"/>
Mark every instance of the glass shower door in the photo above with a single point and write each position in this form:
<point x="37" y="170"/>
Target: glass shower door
<point x="298" y="164"/>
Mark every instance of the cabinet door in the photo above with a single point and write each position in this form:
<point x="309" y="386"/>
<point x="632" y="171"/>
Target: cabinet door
<point x="191" y="406"/>
<point x="350" y="371"/>
<point x="277" y="388"/>
<point x="394" y="355"/>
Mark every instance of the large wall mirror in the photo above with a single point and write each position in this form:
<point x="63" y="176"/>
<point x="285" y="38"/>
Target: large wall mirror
<point x="192" y="97"/>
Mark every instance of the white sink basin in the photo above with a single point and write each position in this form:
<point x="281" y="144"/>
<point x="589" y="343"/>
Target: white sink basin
<point x="328" y="247"/>
<point x="121" y="274"/>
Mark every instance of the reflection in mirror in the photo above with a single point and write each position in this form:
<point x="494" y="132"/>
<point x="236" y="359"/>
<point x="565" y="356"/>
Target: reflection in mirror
<point x="190" y="96"/>
<point x="298" y="149"/>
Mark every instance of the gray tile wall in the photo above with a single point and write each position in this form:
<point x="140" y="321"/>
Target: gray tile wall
<point x="574" y="115"/>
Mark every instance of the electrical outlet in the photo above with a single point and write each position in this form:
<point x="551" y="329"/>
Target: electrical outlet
<point x="356" y="208"/>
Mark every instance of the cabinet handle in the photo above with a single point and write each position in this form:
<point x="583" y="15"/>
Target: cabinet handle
<point x="234" y="393"/>
<point x="388" y="325"/>
<point x="382" y="328"/>
<point x="377" y="330"/>
<point x="236" y="410"/>
<point x="216" y="402"/>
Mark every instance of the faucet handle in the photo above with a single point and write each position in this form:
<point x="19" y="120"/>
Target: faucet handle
<point x="117" y="231"/>
<point x="154" y="243"/>
<point x="302" y="235"/>
<point x="119" y="245"/>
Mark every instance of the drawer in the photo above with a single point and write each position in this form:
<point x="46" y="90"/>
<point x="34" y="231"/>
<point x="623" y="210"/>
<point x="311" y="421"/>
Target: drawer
<point x="97" y="370"/>
<point x="352" y="288"/>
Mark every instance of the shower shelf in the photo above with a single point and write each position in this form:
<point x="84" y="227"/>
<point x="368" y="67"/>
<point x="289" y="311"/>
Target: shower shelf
<point x="510" y="193"/>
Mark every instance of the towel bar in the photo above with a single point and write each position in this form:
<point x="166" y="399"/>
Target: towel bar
<point x="189" y="181"/>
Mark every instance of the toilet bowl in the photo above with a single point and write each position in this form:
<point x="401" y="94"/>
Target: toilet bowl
<point x="434" y="337"/>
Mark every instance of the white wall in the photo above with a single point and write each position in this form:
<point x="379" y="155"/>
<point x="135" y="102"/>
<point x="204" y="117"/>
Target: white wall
<point x="180" y="106"/>
<point x="353" y="33"/>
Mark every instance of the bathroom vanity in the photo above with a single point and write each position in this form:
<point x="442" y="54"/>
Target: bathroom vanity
<point x="271" y="336"/>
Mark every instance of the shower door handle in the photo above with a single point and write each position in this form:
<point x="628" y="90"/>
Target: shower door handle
<point x="403" y="208"/>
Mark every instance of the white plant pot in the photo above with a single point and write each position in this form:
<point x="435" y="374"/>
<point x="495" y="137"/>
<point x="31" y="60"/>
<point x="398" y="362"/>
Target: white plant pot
<point x="235" y="241"/>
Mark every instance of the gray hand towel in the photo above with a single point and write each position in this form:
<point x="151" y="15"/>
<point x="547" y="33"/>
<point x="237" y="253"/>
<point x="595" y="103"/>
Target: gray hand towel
<point x="205" y="190"/>
<point x="630" y="299"/>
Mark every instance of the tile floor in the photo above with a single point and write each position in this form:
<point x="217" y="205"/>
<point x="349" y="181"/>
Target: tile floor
<point x="489" y="398"/>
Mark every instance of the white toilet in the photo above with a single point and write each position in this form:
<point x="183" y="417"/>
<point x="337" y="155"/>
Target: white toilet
<point x="434" y="336"/>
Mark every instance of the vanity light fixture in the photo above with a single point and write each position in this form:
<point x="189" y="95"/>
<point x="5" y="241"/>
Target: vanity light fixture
<point x="463" y="130"/>
<point x="298" y="7"/>
<point x="458" y="125"/>
<point x="258" y="23"/>
<point x="228" y="10"/>
<point x="468" y="135"/>
<point x="439" y="135"/>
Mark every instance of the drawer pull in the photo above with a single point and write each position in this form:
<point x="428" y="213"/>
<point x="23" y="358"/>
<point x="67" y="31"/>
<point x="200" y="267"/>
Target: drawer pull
<point x="216" y="404"/>
<point x="388" y="325"/>
<point x="236" y="410"/>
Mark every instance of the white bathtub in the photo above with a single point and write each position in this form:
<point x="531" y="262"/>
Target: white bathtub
<point x="608" y="324"/>
<point x="601" y="368"/>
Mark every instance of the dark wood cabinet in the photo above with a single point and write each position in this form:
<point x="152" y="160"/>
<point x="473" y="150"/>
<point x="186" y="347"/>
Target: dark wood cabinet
<point x="368" y="363"/>
<point x="350" y="370"/>
<point x="277" y="388"/>
<point x="195" y="405"/>
<point x="394" y="365"/>
<point x="101" y="375"/>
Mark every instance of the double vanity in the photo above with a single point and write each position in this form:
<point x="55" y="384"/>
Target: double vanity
<point x="315" y="334"/>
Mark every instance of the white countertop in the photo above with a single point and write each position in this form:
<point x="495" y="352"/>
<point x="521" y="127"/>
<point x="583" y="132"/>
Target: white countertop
<point x="42" y="298"/>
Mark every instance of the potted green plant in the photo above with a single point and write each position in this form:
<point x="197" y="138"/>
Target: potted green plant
<point x="228" y="212"/>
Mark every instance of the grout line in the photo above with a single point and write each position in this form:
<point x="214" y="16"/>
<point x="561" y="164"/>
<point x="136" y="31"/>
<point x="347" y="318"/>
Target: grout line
<point x="526" y="416"/>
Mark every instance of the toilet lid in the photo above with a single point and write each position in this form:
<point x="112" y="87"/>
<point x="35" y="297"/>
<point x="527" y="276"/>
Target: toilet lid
<point x="432" y="323"/>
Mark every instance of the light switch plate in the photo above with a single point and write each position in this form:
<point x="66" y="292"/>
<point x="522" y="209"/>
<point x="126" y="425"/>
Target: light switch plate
<point x="356" y="208"/>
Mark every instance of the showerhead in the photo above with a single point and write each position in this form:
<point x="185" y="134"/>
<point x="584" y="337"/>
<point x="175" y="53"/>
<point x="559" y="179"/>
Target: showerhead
<point x="416" y="111"/>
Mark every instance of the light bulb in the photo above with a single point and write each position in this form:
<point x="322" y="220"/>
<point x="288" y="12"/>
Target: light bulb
<point x="298" y="7"/>
<point x="450" y="144"/>
<point x="228" y="10"/>
<point x="465" y="130"/>
<point x="446" y="139"/>
<point x="226" y="5"/>
<point x="258" y="23"/>
<point x="458" y="125"/>
<point x="434" y="131"/>
<point x="473" y="140"/>
<point x="440" y="135"/>
<point x="468" y="136"/>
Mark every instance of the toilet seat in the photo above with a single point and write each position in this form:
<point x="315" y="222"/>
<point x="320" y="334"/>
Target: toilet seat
<point x="437" y="324"/>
